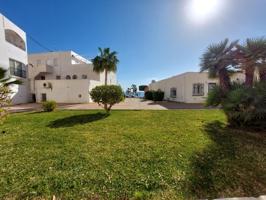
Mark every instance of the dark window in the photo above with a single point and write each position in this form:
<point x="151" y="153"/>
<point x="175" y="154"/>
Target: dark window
<point x="198" y="89"/>
<point x="15" y="39"/>
<point x="173" y="92"/>
<point x="17" y="68"/>
<point x="211" y="86"/>
<point x="42" y="77"/>
<point x="68" y="77"/>
<point x="74" y="76"/>
<point x="84" y="76"/>
<point x="44" y="97"/>
<point x="58" y="77"/>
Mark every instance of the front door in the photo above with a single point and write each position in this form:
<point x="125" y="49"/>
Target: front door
<point x="43" y="96"/>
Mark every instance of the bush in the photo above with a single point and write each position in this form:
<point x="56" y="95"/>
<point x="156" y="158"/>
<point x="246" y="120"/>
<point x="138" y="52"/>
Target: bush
<point x="4" y="101"/>
<point x="149" y="95"/>
<point x="154" y="95"/>
<point x="158" y="95"/>
<point x="214" y="97"/>
<point x="48" y="106"/>
<point x="107" y="95"/>
<point x="243" y="106"/>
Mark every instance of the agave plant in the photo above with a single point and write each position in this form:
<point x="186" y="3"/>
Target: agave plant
<point x="218" y="60"/>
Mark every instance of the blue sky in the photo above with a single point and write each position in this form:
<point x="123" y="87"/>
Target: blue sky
<point x="154" y="38"/>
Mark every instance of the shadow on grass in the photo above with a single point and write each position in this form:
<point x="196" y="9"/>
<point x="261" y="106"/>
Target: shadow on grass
<point x="77" y="119"/>
<point x="232" y="165"/>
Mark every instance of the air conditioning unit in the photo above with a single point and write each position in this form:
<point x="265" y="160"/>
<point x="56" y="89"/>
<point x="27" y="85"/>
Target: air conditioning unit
<point x="48" y="85"/>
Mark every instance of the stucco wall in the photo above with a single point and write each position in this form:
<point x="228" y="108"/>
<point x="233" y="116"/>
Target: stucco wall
<point x="184" y="86"/>
<point x="63" y="91"/>
<point x="7" y="51"/>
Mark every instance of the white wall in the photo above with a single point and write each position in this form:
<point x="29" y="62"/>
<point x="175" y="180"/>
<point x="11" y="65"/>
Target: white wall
<point x="184" y="86"/>
<point x="63" y="91"/>
<point x="67" y="63"/>
<point x="7" y="51"/>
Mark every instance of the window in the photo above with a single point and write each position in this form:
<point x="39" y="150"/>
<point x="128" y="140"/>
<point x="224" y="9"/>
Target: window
<point x="13" y="38"/>
<point x="211" y="86"/>
<point x="17" y="68"/>
<point x="198" y="89"/>
<point x="74" y="76"/>
<point x="173" y="92"/>
<point x="68" y="77"/>
<point x="84" y="76"/>
<point x="42" y="77"/>
<point x="58" y="77"/>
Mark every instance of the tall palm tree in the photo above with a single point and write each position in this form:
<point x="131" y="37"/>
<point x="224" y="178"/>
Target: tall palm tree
<point x="106" y="62"/>
<point x="249" y="57"/>
<point x="217" y="60"/>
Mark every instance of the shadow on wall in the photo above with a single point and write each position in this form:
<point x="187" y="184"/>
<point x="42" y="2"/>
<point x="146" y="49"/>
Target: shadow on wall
<point x="77" y="120"/>
<point x="232" y="165"/>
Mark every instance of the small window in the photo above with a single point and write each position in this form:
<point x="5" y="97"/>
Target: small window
<point x="68" y="77"/>
<point x="173" y="92"/>
<point x="42" y="77"/>
<point x="58" y="77"/>
<point x="198" y="89"/>
<point x="84" y="76"/>
<point x="74" y="76"/>
<point x="211" y="86"/>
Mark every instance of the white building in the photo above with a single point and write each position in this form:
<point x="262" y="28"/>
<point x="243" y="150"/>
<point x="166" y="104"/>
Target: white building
<point x="64" y="77"/>
<point x="189" y="87"/>
<point x="13" y="58"/>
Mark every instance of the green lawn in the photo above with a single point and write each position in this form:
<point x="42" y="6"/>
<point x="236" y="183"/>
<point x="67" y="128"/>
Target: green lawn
<point x="183" y="154"/>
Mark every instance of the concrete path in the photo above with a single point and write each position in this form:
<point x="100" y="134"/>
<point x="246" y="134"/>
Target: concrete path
<point x="128" y="104"/>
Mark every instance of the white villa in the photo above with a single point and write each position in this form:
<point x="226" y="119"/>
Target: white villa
<point x="189" y="87"/>
<point x="64" y="77"/>
<point x="13" y="58"/>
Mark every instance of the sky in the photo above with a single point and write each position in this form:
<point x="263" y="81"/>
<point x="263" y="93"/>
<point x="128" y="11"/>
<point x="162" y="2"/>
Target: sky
<point x="155" y="39"/>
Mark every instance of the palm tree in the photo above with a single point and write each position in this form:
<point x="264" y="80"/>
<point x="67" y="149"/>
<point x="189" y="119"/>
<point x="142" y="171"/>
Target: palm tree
<point x="249" y="56"/>
<point x="217" y="60"/>
<point x="105" y="62"/>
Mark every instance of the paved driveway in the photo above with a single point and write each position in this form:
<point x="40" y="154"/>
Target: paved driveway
<point x="128" y="104"/>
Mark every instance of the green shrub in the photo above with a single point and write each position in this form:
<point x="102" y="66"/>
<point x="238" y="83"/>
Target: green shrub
<point x="107" y="95"/>
<point x="158" y="95"/>
<point x="214" y="97"/>
<point x="149" y="95"/>
<point x="243" y="106"/>
<point x="154" y="95"/>
<point x="48" y="106"/>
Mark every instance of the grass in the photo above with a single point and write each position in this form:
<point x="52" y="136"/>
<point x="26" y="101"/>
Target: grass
<point x="184" y="154"/>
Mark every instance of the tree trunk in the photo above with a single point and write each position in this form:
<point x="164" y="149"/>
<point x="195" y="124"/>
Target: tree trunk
<point x="249" y="72"/>
<point x="262" y="72"/>
<point x="224" y="80"/>
<point x="105" y="81"/>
